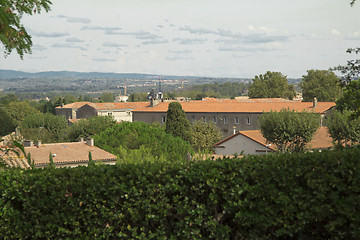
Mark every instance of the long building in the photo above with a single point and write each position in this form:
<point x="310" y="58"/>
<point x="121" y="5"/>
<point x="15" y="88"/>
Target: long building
<point x="230" y="115"/>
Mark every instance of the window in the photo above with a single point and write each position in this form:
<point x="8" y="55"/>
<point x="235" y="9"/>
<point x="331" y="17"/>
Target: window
<point x="204" y="118"/>
<point x="192" y="119"/>
<point x="225" y="120"/>
<point x="110" y="114"/>
<point x="248" y="122"/>
<point x="163" y="119"/>
<point x="214" y="119"/>
<point x="236" y="120"/>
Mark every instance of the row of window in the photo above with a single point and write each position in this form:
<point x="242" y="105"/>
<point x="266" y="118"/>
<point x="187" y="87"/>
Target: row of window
<point x="223" y="119"/>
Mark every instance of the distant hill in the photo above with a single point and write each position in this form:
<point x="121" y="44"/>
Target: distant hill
<point x="8" y="74"/>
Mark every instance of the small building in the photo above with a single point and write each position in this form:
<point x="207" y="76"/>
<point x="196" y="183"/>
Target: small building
<point x="253" y="143"/>
<point x="69" y="110"/>
<point x="71" y="154"/>
<point x="121" y="111"/>
<point x="121" y="98"/>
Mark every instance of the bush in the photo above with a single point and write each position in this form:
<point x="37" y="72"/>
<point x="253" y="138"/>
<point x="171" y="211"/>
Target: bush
<point x="89" y="127"/>
<point x="134" y="135"/>
<point x="277" y="196"/>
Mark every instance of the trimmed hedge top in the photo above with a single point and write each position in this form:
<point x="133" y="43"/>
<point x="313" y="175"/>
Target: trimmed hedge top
<point x="278" y="196"/>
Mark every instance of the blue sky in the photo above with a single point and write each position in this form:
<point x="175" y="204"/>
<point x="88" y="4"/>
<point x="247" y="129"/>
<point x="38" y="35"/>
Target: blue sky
<point x="227" y="38"/>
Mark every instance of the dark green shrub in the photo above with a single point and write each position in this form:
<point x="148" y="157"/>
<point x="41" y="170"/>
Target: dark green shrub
<point x="136" y="135"/>
<point x="279" y="196"/>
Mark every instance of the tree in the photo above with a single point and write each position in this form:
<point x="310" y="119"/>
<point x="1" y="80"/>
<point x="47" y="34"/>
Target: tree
<point x="7" y="124"/>
<point x="271" y="85"/>
<point x="44" y="127"/>
<point x="290" y="131"/>
<point x="13" y="35"/>
<point x="8" y="99"/>
<point x="107" y="97"/>
<point x="138" y="136"/>
<point x="321" y="84"/>
<point x="204" y="135"/>
<point x="138" y="97"/>
<point x="344" y="128"/>
<point x="176" y="122"/>
<point x="19" y="110"/>
<point x="351" y="69"/>
<point x="350" y="99"/>
<point x="89" y="127"/>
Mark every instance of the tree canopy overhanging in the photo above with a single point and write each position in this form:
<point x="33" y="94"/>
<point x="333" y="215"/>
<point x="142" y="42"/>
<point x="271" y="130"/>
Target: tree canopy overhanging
<point x="13" y="34"/>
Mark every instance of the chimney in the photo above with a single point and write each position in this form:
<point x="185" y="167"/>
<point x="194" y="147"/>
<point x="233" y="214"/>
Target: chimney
<point x="38" y="143"/>
<point x="28" y="143"/>
<point x="154" y="102"/>
<point x="315" y="102"/>
<point x="90" y="142"/>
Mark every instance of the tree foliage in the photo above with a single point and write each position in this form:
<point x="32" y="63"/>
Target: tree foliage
<point x="132" y="136"/>
<point x="89" y="127"/>
<point x="107" y="97"/>
<point x="321" y="84"/>
<point x="344" y="128"/>
<point x="45" y="127"/>
<point x="8" y="98"/>
<point x="204" y="135"/>
<point x="290" y="131"/>
<point x="7" y="124"/>
<point x="223" y="90"/>
<point x="176" y="122"/>
<point x="138" y="97"/>
<point x="350" y="99"/>
<point x="351" y="69"/>
<point x="19" y="110"/>
<point x="13" y="35"/>
<point x="271" y="85"/>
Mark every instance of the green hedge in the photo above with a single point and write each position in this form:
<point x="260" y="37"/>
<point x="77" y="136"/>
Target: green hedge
<point x="287" y="196"/>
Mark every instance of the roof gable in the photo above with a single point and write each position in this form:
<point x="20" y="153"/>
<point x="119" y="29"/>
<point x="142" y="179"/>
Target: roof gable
<point x="321" y="139"/>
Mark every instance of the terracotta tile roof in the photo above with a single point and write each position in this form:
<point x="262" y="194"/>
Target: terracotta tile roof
<point x="240" y="107"/>
<point x="66" y="153"/>
<point x="321" y="139"/>
<point x="74" y="105"/>
<point x="119" y="105"/>
<point x="11" y="159"/>
<point x="247" y="99"/>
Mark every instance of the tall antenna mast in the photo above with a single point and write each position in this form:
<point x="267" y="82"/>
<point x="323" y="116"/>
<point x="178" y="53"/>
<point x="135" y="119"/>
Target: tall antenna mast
<point x="159" y="83"/>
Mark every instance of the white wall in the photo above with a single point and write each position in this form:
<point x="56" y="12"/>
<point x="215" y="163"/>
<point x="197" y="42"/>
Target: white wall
<point x="117" y="115"/>
<point x="241" y="143"/>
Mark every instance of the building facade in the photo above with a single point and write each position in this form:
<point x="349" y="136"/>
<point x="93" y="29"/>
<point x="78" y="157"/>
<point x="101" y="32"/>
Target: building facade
<point x="230" y="116"/>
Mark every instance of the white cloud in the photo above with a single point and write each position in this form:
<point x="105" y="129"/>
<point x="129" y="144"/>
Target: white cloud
<point x="335" y="32"/>
<point x="74" y="40"/>
<point x="49" y="34"/>
<point x="103" y="60"/>
<point x="190" y="40"/>
<point x="74" y="19"/>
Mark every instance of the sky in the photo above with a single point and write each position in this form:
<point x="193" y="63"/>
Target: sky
<point x="213" y="38"/>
